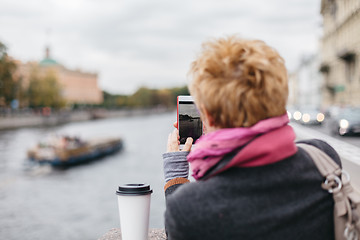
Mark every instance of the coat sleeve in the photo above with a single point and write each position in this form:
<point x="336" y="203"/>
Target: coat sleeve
<point x="173" y="184"/>
<point x="176" y="170"/>
<point x="175" y="173"/>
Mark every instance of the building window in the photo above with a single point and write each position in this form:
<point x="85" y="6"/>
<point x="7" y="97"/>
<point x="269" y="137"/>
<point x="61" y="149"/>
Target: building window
<point x="349" y="58"/>
<point x="350" y="71"/>
<point x="333" y="8"/>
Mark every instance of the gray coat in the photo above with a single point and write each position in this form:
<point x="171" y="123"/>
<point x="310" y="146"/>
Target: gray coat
<point x="279" y="201"/>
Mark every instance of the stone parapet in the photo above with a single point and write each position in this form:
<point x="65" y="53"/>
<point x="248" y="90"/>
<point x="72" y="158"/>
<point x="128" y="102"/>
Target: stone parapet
<point x="115" y="234"/>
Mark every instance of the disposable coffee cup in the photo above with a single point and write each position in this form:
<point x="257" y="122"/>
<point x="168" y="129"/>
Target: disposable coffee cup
<point x="134" y="210"/>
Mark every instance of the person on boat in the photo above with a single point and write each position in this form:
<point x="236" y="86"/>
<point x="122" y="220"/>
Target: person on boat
<point x="252" y="182"/>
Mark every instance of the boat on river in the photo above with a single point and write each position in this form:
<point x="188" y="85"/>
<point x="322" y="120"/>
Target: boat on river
<point x="67" y="151"/>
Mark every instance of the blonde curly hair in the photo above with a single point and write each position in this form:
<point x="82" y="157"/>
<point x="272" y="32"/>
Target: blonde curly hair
<point x="239" y="82"/>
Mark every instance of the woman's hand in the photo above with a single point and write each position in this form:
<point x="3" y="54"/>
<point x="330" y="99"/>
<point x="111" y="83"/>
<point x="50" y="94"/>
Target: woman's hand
<point x="175" y="162"/>
<point x="173" y="141"/>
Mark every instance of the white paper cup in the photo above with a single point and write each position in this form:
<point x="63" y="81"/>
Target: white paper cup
<point x="134" y="210"/>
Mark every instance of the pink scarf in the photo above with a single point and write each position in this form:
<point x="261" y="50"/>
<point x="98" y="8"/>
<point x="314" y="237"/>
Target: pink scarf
<point x="268" y="141"/>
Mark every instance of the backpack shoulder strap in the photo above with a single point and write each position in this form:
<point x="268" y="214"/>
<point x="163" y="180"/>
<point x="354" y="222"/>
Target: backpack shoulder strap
<point x="346" y="198"/>
<point x="323" y="162"/>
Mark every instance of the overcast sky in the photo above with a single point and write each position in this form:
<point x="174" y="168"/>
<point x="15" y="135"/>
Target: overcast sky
<point x="133" y="43"/>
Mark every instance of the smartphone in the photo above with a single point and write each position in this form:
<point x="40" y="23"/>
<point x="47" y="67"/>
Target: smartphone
<point x="188" y="119"/>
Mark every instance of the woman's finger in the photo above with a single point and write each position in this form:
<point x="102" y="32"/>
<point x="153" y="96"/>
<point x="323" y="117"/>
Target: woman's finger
<point x="188" y="144"/>
<point x="173" y="145"/>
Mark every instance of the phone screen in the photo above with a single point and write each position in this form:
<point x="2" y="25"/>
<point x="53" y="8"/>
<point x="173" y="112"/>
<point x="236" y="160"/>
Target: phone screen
<point x="190" y="124"/>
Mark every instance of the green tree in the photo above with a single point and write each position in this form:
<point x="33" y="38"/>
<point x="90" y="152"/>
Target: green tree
<point x="45" y="91"/>
<point x="109" y="100"/>
<point x="8" y="85"/>
<point x="164" y="98"/>
<point x="122" y="101"/>
<point x="178" y="91"/>
<point x="143" y="97"/>
<point x="114" y="100"/>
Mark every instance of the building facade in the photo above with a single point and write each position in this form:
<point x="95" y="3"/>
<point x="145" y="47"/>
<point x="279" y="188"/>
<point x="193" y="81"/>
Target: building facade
<point x="77" y="86"/>
<point x="340" y="52"/>
<point x="293" y="89"/>
<point x="305" y="84"/>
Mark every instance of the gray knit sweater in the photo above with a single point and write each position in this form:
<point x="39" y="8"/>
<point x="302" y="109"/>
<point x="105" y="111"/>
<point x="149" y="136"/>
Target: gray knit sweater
<point x="279" y="201"/>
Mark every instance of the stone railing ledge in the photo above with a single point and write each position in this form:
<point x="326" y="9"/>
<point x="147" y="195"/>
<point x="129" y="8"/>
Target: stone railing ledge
<point x="115" y="234"/>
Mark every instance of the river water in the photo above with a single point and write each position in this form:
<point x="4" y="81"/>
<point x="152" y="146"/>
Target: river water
<point x="79" y="202"/>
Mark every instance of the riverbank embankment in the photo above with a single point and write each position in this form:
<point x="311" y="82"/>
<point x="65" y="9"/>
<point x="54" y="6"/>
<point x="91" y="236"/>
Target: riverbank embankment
<point x="12" y="121"/>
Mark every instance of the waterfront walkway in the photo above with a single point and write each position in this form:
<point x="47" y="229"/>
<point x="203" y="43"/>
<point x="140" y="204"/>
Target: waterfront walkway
<point x="11" y="121"/>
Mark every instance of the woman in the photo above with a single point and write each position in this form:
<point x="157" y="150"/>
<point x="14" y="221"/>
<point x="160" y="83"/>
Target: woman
<point x="252" y="182"/>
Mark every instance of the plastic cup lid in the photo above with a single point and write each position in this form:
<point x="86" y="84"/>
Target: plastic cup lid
<point x="134" y="189"/>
